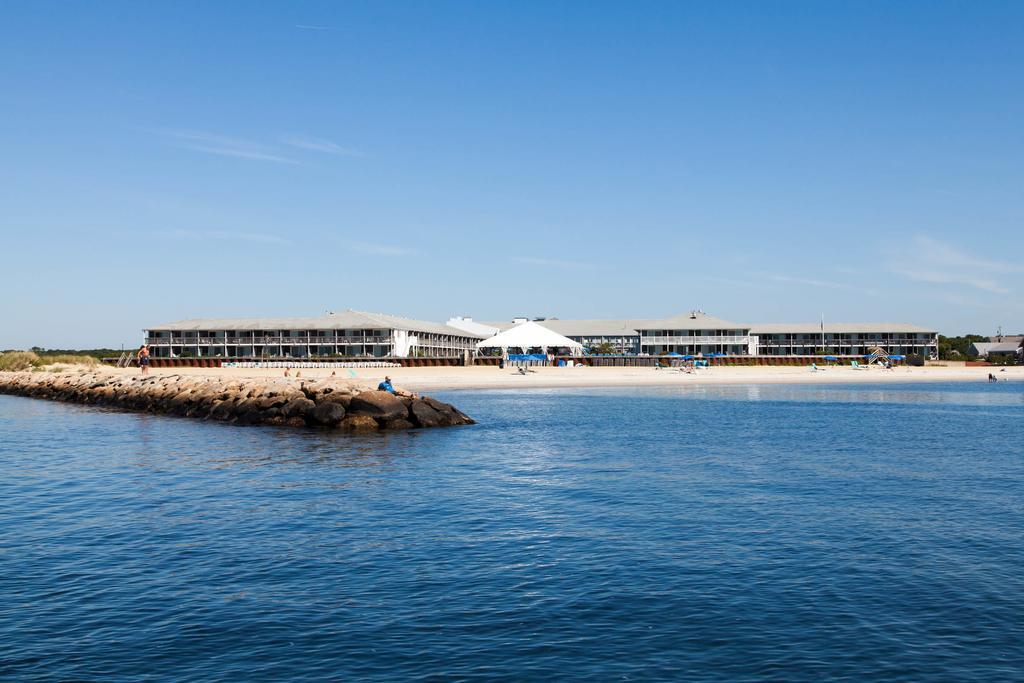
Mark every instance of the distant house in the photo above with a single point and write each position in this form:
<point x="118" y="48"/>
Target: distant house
<point x="993" y="349"/>
<point x="1017" y="339"/>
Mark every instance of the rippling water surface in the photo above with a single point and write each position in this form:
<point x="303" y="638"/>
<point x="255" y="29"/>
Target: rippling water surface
<point x="732" y="533"/>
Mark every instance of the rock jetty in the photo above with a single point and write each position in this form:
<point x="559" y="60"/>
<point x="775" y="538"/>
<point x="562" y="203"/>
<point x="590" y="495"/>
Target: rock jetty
<point x="325" y="403"/>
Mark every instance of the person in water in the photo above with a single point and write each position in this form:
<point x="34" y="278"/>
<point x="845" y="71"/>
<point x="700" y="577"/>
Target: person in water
<point x="387" y="386"/>
<point x="143" y="356"/>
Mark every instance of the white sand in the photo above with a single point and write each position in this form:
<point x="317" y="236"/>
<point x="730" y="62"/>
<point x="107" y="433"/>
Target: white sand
<point x="482" y="377"/>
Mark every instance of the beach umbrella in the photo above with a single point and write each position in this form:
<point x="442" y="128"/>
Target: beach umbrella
<point x="898" y="357"/>
<point x="674" y="355"/>
<point x="831" y="358"/>
<point x="687" y="357"/>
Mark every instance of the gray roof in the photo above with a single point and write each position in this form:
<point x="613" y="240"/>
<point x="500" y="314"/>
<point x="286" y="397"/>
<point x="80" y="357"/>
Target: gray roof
<point x="702" y="321"/>
<point x="836" y="328"/>
<point x="594" y="328"/>
<point x="583" y="328"/>
<point x="985" y="348"/>
<point x="346" y="320"/>
<point x="694" y="320"/>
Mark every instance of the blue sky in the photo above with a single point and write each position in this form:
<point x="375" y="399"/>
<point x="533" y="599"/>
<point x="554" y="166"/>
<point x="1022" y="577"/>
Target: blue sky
<point x="760" y="161"/>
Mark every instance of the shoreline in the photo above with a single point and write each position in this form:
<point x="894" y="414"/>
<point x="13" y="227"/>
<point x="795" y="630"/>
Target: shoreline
<point x="489" y="377"/>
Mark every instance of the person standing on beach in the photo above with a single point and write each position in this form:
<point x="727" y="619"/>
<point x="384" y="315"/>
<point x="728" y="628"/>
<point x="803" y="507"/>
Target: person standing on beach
<point x="143" y="356"/>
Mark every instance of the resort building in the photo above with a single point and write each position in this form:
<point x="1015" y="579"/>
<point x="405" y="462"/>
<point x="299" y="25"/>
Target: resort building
<point x="351" y="334"/>
<point x="354" y="334"/>
<point x="843" y="339"/>
<point x="697" y="332"/>
<point x="621" y="334"/>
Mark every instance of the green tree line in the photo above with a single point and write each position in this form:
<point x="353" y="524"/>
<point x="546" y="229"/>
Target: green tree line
<point x="958" y="348"/>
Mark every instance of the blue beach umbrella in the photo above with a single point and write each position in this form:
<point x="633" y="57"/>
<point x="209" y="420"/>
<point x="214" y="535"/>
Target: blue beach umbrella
<point x="674" y="355"/>
<point x="687" y="357"/>
<point x="831" y="358"/>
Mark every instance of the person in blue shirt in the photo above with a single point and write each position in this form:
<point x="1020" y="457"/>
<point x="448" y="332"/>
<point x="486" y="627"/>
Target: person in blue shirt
<point x="390" y="388"/>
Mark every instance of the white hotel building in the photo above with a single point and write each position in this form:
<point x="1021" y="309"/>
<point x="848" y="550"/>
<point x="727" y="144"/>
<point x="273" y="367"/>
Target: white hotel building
<point x="354" y="334"/>
<point x="697" y="332"/>
<point x="351" y="334"/>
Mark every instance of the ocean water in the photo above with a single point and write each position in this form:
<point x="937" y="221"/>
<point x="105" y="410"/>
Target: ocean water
<point x="727" y="534"/>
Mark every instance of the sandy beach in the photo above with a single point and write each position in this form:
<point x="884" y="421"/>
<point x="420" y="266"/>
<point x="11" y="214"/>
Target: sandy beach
<point x="484" y="377"/>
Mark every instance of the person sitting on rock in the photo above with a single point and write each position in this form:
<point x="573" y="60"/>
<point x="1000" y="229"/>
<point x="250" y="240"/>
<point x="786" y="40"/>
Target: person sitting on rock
<point x="387" y="386"/>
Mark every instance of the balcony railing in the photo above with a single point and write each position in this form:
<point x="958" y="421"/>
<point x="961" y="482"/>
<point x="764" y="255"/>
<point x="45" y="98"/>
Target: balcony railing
<point x="845" y="342"/>
<point x="711" y="339"/>
<point x="207" y="341"/>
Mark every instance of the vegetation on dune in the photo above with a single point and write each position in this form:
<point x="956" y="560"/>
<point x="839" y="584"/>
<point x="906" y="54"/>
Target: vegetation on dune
<point x="68" y="359"/>
<point x="29" y="360"/>
<point x="19" y="360"/>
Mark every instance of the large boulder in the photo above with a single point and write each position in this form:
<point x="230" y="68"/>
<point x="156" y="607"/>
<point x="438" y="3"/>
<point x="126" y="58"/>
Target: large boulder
<point x="452" y="415"/>
<point x="358" y="423"/>
<point x="297" y="407"/>
<point x="271" y="401"/>
<point x="342" y="398"/>
<point x="378" y="404"/>
<point x="180" y="402"/>
<point x="223" y="410"/>
<point x="246" y="414"/>
<point x="327" y="414"/>
<point x="400" y="423"/>
<point x="426" y="415"/>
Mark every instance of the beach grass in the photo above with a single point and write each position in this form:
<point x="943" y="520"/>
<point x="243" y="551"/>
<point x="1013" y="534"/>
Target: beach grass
<point x="29" y="360"/>
<point x="19" y="360"/>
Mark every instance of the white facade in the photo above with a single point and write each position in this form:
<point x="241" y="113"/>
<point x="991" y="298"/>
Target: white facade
<point x="351" y="334"/>
<point x="698" y="333"/>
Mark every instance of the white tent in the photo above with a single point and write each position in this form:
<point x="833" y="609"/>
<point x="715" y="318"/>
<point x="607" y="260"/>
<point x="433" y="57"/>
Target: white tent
<point x="527" y="336"/>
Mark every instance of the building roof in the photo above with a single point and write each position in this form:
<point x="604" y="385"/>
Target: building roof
<point x="471" y="325"/>
<point x="1008" y="338"/>
<point x="346" y="320"/>
<point x="583" y="328"/>
<point x="694" y="320"/>
<point x="986" y="348"/>
<point x="836" y="328"/>
<point x="528" y="335"/>
<point x="699" y="320"/>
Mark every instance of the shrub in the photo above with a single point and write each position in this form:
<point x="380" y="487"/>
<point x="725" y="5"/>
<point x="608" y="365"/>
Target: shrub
<point x="27" y="360"/>
<point x="19" y="360"/>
